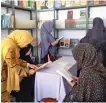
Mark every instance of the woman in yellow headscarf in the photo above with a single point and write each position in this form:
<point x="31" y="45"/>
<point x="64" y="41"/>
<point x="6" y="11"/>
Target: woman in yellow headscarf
<point x="13" y="68"/>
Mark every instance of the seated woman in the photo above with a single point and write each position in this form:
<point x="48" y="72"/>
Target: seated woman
<point x="91" y="84"/>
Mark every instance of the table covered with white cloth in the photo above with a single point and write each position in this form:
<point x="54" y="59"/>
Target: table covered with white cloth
<point x="49" y="84"/>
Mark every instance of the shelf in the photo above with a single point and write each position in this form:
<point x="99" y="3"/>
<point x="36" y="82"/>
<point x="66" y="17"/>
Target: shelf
<point x="26" y="9"/>
<point x="16" y="7"/>
<point x="17" y="28"/>
<point x="70" y="29"/>
<point x="44" y="10"/>
<point x="64" y="47"/>
<point x="73" y="7"/>
<point x="98" y="5"/>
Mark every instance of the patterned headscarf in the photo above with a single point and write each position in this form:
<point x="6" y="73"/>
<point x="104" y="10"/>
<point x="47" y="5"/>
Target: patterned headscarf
<point x="91" y="86"/>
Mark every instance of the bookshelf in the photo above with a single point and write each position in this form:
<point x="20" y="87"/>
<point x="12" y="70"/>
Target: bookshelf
<point x="56" y="17"/>
<point x="87" y="7"/>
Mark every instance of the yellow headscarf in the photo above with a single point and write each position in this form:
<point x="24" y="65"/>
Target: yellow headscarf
<point x="15" y="40"/>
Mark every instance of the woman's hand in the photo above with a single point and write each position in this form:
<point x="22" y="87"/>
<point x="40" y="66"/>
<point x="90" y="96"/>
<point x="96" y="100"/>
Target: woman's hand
<point x="74" y="81"/>
<point x="32" y="66"/>
<point x="31" y="71"/>
<point x="55" y="42"/>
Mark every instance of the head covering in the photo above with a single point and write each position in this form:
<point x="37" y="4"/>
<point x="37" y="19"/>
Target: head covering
<point x="102" y="46"/>
<point x="46" y="38"/>
<point x="91" y="86"/>
<point x="23" y="52"/>
<point x="21" y="37"/>
<point x="97" y="33"/>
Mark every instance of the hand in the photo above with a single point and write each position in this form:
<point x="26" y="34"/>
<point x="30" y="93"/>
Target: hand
<point x="55" y="42"/>
<point x="38" y="65"/>
<point x="32" y="66"/>
<point x="74" y="81"/>
<point x="31" y="71"/>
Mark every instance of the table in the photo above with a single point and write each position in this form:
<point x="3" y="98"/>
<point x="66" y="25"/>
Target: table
<point x="49" y="84"/>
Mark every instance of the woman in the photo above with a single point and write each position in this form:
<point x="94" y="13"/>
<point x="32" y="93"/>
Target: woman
<point x="96" y="36"/>
<point x="48" y="43"/>
<point x="91" y="84"/>
<point x="97" y="33"/>
<point x="13" y="68"/>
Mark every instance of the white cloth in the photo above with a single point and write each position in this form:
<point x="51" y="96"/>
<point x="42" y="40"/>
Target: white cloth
<point x="49" y="84"/>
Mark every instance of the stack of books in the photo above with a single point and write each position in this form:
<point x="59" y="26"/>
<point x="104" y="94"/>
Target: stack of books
<point x="7" y="21"/>
<point x="69" y="43"/>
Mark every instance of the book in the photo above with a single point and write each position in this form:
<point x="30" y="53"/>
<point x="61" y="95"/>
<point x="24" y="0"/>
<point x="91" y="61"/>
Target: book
<point x="83" y="13"/>
<point x="102" y="1"/>
<point x="60" y="38"/>
<point x="72" y="2"/>
<point x="20" y="3"/>
<point x="65" y="73"/>
<point x="90" y="2"/>
<point x="61" y="43"/>
<point x="68" y="3"/>
<point x="42" y="4"/>
<point x="77" y="3"/>
<point x="16" y="2"/>
<point x="38" y="5"/>
<point x="32" y="4"/>
<point x="67" y="43"/>
<point x="12" y="19"/>
<point x="3" y="20"/>
<point x="80" y="23"/>
<point x="29" y="4"/>
<point x="70" y="23"/>
<point x="74" y="42"/>
<point x="96" y="2"/>
<point x="25" y="4"/>
<point x="57" y="3"/>
<point x="83" y="2"/>
<point x="46" y="4"/>
<point x="50" y="4"/>
<point x="63" y="3"/>
<point x="45" y="65"/>
<point x="70" y="14"/>
<point x="7" y="20"/>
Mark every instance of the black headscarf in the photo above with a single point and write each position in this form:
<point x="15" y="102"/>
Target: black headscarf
<point x="23" y="52"/>
<point x="97" y="33"/>
<point x="91" y="85"/>
<point x="97" y="37"/>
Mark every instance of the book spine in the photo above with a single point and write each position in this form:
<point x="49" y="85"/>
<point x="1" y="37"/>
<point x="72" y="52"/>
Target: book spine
<point x="20" y="3"/>
<point x="29" y="4"/>
<point x="63" y="3"/>
<point x="12" y="21"/>
<point x="83" y="2"/>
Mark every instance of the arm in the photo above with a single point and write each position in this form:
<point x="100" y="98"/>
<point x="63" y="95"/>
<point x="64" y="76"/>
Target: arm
<point x="15" y="64"/>
<point x="88" y="89"/>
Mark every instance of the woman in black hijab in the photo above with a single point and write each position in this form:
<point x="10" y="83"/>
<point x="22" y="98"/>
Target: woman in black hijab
<point x="97" y="33"/>
<point x="91" y="84"/>
<point x="96" y="36"/>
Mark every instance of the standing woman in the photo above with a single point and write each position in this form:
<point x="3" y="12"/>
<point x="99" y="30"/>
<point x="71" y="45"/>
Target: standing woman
<point x="13" y="68"/>
<point x="48" y="43"/>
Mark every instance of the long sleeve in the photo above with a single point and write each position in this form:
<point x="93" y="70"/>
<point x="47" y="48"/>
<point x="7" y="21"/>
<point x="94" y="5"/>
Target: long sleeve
<point x="90" y="88"/>
<point x="17" y="65"/>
